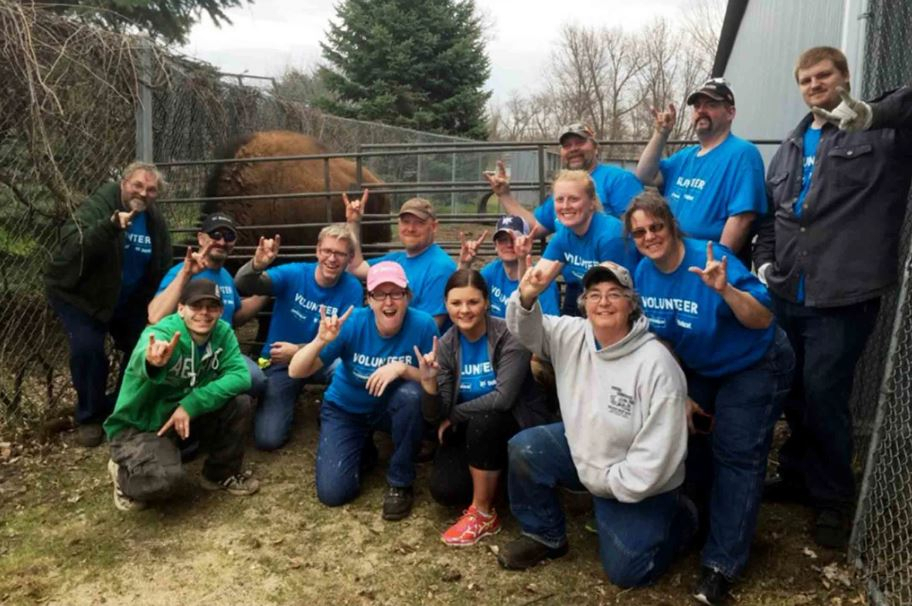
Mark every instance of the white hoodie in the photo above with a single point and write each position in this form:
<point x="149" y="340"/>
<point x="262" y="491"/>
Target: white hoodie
<point x="623" y="406"/>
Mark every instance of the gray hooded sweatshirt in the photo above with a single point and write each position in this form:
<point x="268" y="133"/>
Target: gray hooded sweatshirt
<point x="623" y="405"/>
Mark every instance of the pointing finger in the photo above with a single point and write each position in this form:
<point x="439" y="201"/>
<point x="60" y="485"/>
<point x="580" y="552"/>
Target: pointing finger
<point x="347" y="313"/>
<point x="481" y="239"/>
<point x="345" y="199"/>
<point x="709" y="252"/>
<point x="174" y="339"/>
<point x="434" y="347"/>
<point x="165" y="427"/>
<point x="501" y="169"/>
<point x="364" y="196"/>
<point x="844" y="95"/>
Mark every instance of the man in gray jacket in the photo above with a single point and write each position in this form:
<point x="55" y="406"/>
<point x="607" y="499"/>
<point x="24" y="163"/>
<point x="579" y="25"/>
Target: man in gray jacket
<point x="623" y="436"/>
<point x="840" y="179"/>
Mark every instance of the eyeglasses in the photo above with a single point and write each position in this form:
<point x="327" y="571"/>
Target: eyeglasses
<point x="222" y="234"/>
<point x="332" y="253"/>
<point x="640" y="232"/>
<point x="594" y="296"/>
<point x="396" y="295"/>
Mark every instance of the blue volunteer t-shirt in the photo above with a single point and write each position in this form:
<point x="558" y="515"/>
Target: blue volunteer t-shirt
<point x="476" y="375"/>
<point x="695" y="320"/>
<point x="298" y="297"/>
<point x="362" y="350"/>
<point x="500" y="287"/>
<point x="231" y="300"/>
<point x="704" y="191"/>
<point x="137" y="251"/>
<point x="615" y="187"/>
<point x="811" y="141"/>
<point x="603" y="241"/>
<point x="427" y="274"/>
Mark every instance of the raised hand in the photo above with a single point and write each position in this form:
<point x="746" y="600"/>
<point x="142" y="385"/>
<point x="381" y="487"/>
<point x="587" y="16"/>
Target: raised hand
<point x="195" y="262"/>
<point x="498" y="180"/>
<point x="159" y="352"/>
<point x="469" y="248"/>
<point x="665" y="120"/>
<point x="428" y="367"/>
<point x="715" y="274"/>
<point x="851" y="114"/>
<point x="266" y="252"/>
<point x="354" y="210"/>
<point x="180" y="421"/>
<point x="122" y="219"/>
<point x="281" y="352"/>
<point x="532" y="284"/>
<point x="331" y="325"/>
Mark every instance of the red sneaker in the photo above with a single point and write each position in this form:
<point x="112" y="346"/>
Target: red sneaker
<point x="471" y="527"/>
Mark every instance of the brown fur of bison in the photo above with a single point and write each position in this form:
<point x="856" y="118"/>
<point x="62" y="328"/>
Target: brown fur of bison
<point x="280" y="177"/>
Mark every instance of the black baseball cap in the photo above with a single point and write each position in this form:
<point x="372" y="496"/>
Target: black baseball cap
<point x="199" y="289"/>
<point x="216" y="220"/>
<point x="714" y="88"/>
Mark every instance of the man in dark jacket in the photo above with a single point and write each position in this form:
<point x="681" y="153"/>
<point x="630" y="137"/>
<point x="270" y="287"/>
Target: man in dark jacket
<point x="838" y="187"/>
<point x="111" y="255"/>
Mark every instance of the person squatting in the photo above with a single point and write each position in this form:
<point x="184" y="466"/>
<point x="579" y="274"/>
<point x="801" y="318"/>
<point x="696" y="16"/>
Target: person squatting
<point x="654" y="385"/>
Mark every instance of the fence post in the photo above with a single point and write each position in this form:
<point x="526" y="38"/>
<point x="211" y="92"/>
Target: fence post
<point x="144" y="149"/>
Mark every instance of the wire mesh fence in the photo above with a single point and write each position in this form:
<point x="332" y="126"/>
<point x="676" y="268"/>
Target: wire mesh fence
<point x="881" y="545"/>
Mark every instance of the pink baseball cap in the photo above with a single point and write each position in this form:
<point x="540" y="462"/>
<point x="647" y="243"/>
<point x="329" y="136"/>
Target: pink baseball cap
<point x="386" y="271"/>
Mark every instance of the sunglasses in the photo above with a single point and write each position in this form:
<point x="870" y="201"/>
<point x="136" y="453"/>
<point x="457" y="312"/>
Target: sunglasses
<point x="222" y="234"/>
<point x="640" y="232"/>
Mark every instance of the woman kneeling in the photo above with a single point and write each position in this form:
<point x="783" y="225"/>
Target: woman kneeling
<point x="623" y="436"/>
<point x="478" y="391"/>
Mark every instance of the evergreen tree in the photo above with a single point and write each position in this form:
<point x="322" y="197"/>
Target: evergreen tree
<point x="415" y="63"/>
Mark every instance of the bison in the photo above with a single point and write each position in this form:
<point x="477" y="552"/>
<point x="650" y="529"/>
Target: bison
<point x="280" y="177"/>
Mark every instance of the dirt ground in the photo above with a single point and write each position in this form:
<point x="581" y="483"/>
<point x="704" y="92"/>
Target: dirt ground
<point x="63" y="542"/>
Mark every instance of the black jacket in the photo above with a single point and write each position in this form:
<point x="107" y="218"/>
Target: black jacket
<point x="85" y="269"/>
<point x="846" y="242"/>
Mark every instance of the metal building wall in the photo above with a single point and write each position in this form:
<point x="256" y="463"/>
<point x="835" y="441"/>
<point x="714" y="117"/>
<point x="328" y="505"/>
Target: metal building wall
<point x="771" y="36"/>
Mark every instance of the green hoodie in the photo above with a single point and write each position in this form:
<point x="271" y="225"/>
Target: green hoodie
<point x="149" y="395"/>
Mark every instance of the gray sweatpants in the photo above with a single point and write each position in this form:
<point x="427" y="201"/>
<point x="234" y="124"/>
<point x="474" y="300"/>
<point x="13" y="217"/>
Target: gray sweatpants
<point x="150" y="466"/>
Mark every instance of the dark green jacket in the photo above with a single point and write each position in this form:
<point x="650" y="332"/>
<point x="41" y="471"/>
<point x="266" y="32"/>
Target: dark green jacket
<point x="85" y="269"/>
<point x="200" y="381"/>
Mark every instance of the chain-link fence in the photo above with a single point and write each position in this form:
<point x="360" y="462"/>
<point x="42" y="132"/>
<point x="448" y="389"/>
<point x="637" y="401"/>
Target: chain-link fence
<point x="881" y="543"/>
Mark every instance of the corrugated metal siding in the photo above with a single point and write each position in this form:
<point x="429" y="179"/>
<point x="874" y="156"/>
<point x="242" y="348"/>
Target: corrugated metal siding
<point x="772" y="35"/>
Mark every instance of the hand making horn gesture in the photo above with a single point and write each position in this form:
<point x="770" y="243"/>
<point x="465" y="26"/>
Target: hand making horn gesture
<point x="354" y="210"/>
<point x="159" y="352"/>
<point x="498" y="180"/>
<point x="266" y="252"/>
<point x="469" y="249"/>
<point x="195" y="262"/>
<point x="427" y="363"/>
<point x="122" y="218"/>
<point x="331" y="325"/>
<point x="665" y="120"/>
<point x="532" y="284"/>
<point x="851" y="114"/>
<point x="715" y="274"/>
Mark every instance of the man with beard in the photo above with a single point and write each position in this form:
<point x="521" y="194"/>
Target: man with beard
<point x="615" y="187"/>
<point x="838" y="186"/>
<point x="715" y="189"/>
<point x="300" y="291"/>
<point x="216" y="238"/>
<point x="111" y="254"/>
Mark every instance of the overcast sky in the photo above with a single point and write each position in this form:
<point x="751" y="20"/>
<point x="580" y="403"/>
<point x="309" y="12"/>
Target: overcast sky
<point x="269" y="35"/>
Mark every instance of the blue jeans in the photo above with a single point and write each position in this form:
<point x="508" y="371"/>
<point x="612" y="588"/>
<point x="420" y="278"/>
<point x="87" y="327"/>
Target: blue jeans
<point x="828" y="344"/>
<point x="637" y="541"/>
<point x="343" y="436"/>
<point x="257" y="378"/>
<point x="726" y="469"/>
<point x="275" y="412"/>
<point x="89" y="364"/>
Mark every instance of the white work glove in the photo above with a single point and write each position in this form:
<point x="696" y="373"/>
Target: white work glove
<point x="850" y="115"/>
<point x="762" y="271"/>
